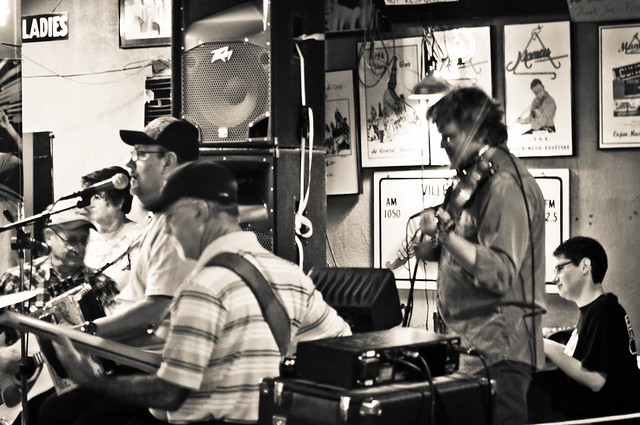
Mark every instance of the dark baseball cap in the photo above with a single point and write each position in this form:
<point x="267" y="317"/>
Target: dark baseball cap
<point x="203" y="179"/>
<point x="176" y="135"/>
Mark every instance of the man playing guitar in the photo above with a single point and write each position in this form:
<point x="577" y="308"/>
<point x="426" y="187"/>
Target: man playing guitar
<point x="66" y="234"/>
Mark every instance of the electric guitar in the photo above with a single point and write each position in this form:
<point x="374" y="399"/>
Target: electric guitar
<point x="144" y="361"/>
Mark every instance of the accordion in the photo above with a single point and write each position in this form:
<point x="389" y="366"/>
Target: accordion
<point x="73" y="307"/>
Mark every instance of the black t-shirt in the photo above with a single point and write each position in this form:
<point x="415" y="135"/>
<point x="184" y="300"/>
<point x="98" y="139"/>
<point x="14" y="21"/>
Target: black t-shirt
<point x="606" y="344"/>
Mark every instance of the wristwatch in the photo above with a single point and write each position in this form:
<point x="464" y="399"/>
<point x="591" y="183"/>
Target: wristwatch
<point x="89" y="327"/>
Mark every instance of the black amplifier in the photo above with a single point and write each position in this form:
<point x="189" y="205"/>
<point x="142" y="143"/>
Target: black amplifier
<point x="380" y="357"/>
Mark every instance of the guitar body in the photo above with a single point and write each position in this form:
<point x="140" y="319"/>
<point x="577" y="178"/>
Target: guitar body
<point x="10" y="387"/>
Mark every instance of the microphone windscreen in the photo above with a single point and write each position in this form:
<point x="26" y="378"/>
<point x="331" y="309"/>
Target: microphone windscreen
<point x="120" y="181"/>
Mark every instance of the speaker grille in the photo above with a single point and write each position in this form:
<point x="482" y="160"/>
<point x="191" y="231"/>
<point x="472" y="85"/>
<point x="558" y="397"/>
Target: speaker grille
<point x="224" y="95"/>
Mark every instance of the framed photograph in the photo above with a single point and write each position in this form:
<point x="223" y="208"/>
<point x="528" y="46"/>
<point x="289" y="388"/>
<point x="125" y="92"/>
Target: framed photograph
<point x="619" y="86"/>
<point x="347" y="15"/>
<point x="145" y="23"/>
<point x="538" y="89"/>
<point x="340" y="140"/>
<point x="392" y="132"/>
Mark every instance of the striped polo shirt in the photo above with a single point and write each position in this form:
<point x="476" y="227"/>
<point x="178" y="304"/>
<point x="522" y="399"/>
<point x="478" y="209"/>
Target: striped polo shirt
<point x="219" y="345"/>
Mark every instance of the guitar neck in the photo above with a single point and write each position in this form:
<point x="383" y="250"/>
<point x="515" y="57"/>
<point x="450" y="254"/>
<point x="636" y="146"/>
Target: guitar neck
<point x="119" y="353"/>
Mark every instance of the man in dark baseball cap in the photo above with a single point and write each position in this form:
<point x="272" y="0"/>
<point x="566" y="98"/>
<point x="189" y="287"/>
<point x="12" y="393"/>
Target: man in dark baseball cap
<point x="165" y="143"/>
<point x="178" y="136"/>
<point x="204" y="179"/>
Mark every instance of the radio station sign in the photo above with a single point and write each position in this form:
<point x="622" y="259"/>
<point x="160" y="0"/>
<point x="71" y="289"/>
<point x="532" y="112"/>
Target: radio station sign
<point x="399" y="197"/>
<point x="47" y="27"/>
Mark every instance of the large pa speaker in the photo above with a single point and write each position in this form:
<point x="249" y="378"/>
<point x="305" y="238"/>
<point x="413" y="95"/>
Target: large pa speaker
<point x="269" y="197"/>
<point x="236" y="69"/>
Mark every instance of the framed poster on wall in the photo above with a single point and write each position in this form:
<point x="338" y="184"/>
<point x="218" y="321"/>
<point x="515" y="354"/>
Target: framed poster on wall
<point x="390" y="130"/>
<point x="145" y="23"/>
<point x="620" y="86"/>
<point x="340" y="141"/>
<point x="538" y="89"/>
<point x="463" y="58"/>
<point x="400" y="196"/>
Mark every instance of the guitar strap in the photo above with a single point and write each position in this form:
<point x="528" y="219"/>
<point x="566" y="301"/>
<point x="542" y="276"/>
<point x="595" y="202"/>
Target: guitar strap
<point x="272" y="309"/>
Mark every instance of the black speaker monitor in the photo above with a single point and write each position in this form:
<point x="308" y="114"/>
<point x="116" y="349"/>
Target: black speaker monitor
<point x="366" y="298"/>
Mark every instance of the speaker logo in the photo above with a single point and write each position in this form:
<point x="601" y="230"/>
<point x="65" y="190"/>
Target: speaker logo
<point x="222" y="54"/>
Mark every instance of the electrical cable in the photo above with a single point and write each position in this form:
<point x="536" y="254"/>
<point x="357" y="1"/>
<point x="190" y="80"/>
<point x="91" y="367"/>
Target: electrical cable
<point x="303" y="226"/>
<point x="409" y="307"/>
<point x="534" y="312"/>
<point x="435" y="396"/>
<point x="369" y="37"/>
<point x="333" y="256"/>
<point x="132" y="66"/>
<point x="424" y="373"/>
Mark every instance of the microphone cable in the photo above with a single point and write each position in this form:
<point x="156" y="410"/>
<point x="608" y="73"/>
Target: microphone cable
<point x="534" y="312"/>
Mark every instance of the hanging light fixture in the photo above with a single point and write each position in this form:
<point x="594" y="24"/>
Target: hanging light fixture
<point x="431" y="84"/>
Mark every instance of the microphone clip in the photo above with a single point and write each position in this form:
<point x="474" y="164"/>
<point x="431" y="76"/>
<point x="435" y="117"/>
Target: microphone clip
<point x="24" y="241"/>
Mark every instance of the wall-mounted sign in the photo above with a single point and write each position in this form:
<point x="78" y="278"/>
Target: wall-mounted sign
<point x="46" y="27"/>
<point x="414" y="2"/>
<point x="399" y="196"/>
<point x="602" y="10"/>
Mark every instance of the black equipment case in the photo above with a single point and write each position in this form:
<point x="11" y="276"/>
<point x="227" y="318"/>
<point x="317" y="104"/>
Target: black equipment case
<point x="460" y="399"/>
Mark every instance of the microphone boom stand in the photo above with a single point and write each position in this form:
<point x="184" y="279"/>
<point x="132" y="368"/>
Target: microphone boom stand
<point x="22" y="242"/>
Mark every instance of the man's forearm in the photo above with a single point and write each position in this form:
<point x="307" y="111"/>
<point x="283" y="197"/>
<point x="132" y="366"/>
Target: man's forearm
<point x="139" y="390"/>
<point x="462" y="250"/>
<point x="133" y="320"/>
<point x="573" y="368"/>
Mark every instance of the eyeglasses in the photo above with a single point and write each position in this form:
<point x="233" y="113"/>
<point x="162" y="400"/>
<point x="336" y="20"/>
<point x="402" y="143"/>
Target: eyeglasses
<point x="138" y="155"/>
<point x="98" y="197"/>
<point x="73" y="242"/>
<point x="559" y="267"/>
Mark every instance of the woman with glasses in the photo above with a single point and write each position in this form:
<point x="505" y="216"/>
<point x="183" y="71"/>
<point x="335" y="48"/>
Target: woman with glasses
<point x="599" y="359"/>
<point x="111" y="243"/>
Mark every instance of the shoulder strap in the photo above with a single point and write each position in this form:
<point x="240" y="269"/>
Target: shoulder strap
<point x="272" y="310"/>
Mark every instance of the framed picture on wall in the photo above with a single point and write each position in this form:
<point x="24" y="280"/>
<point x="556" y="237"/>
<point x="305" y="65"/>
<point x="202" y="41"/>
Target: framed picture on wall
<point x="620" y="86"/>
<point x="391" y="131"/>
<point x="463" y="58"/>
<point x="145" y="23"/>
<point x="538" y="89"/>
<point x="340" y="140"/>
<point x="347" y="15"/>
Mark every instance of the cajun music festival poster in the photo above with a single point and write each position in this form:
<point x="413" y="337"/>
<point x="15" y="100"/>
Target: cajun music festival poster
<point x="538" y="89"/>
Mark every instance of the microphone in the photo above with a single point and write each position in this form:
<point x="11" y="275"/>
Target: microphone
<point x="35" y="246"/>
<point x="117" y="182"/>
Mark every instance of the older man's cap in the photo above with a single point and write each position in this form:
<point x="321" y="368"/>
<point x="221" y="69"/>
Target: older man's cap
<point x="70" y="219"/>
<point x="176" y="135"/>
<point x="204" y="179"/>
